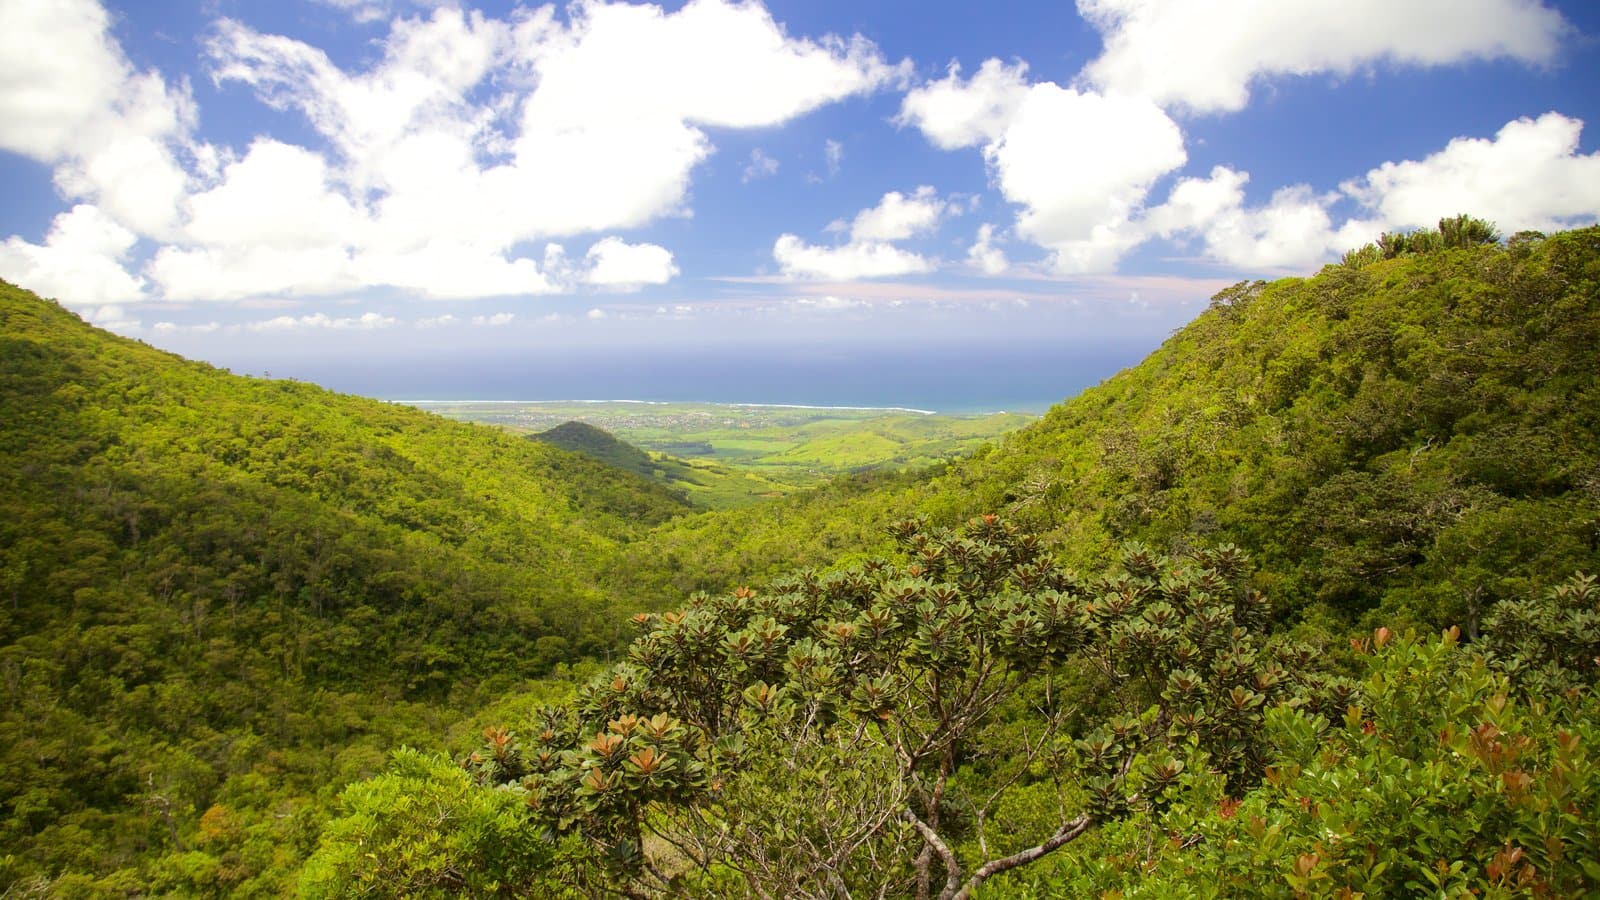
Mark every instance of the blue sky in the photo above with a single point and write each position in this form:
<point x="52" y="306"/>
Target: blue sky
<point x="376" y="182"/>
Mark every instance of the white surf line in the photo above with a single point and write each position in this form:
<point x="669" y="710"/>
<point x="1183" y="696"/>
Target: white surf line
<point x="906" y="409"/>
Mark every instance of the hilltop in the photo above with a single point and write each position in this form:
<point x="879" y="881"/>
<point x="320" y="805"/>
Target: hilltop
<point x="597" y="443"/>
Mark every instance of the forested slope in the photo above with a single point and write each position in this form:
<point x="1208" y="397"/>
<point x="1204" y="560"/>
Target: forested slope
<point x="1095" y="693"/>
<point x="220" y="596"/>
<point x="1421" y="432"/>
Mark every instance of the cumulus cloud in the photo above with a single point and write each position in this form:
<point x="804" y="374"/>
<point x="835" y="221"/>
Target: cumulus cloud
<point x="240" y="272"/>
<point x="1081" y="164"/>
<point x="494" y="320"/>
<point x="1078" y="163"/>
<point x="73" y="101"/>
<point x="80" y="261"/>
<point x="870" y="252"/>
<point x="464" y="140"/>
<point x="363" y="12"/>
<point x="1293" y="229"/>
<point x="898" y="216"/>
<point x="1206" y="56"/>
<point x="984" y="256"/>
<point x="953" y="113"/>
<point x="616" y="263"/>
<point x="872" y="259"/>
<point x="1529" y="175"/>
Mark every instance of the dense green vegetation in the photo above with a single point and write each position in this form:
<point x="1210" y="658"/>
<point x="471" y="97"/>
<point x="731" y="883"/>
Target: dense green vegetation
<point x="731" y="456"/>
<point x="974" y="715"/>
<point x="222" y="597"/>
<point x="1292" y="609"/>
<point x="598" y="444"/>
<point x="1418" y="437"/>
<point x="702" y="484"/>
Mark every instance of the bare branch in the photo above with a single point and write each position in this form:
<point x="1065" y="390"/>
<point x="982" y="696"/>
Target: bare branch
<point x="1068" y="833"/>
<point x="951" y="866"/>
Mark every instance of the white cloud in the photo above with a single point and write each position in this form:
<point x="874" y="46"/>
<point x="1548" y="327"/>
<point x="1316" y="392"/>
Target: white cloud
<point x="1294" y="229"/>
<point x="494" y="320"/>
<point x="859" y="259"/>
<point x="239" y="272"/>
<point x="1081" y="164"/>
<point x="443" y="321"/>
<point x="174" y="328"/>
<point x="826" y="304"/>
<point x="450" y="269"/>
<point x="1529" y="176"/>
<point x="954" y="114"/>
<point x="277" y="196"/>
<point x="321" y="321"/>
<point x="760" y="166"/>
<point x="870" y="252"/>
<point x="363" y="12"/>
<point x="1206" y="56"/>
<point x="833" y="153"/>
<point x="467" y="138"/>
<point x="72" y="100"/>
<point x="595" y="314"/>
<point x="62" y="75"/>
<point x="614" y="262"/>
<point x="897" y="216"/>
<point x="606" y="138"/>
<point x="80" y="262"/>
<point x="984" y="256"/>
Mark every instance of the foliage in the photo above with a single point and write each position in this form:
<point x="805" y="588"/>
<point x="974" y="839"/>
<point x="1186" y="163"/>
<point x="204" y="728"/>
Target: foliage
<point x="715" y="736"/>
<point x="1460" y="232"/>
<point x="1412" y="441"/>
<point x="423" y="829"/>
<point x="733" y="456"/>
<point x="1444" y="780"/>
<point x="1551" y="643"/>
<point x="222" y="599"/>
<point x="228" y="593"/>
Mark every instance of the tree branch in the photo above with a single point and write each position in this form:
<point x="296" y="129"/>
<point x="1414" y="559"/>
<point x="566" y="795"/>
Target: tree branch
<point x="1069" y="832"/>
<point x="952" y="868"/>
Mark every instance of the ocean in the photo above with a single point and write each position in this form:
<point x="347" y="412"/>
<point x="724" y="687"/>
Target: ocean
<point x="946" y="380"/>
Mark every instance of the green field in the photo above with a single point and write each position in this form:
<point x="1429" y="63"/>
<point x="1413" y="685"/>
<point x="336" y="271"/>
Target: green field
<point x="725" y="456"/>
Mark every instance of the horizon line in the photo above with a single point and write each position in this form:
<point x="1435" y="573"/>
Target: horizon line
<point x="908" y="409"/>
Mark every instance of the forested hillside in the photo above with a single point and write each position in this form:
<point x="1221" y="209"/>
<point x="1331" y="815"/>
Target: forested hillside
<point x="1419" y="432"/>
<point x="1034" y="705"/>
<point x="220" y="596"/>
<point x="223" y="598"/>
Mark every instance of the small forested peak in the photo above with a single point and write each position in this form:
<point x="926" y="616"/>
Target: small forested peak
<point x="1458" y="232"/>
<point x="597" y="443"/>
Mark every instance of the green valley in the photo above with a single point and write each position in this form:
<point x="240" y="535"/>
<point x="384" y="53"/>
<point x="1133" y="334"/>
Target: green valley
<point x="1295" y="607"/>
<point x="730" y="455"/>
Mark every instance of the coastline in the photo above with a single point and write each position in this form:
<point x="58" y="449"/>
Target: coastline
<point x="902" y="409"/>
